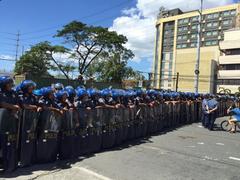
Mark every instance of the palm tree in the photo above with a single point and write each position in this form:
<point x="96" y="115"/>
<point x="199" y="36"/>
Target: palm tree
<point x="223" y="90"/>
<point x="237" y="94"/>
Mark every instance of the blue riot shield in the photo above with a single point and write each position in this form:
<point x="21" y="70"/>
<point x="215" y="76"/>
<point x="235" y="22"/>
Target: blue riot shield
<point x="28" y="137"/>
<point x="8" y="139"/>
<point x="48" y="136"/>
<point x="109" y="128"/>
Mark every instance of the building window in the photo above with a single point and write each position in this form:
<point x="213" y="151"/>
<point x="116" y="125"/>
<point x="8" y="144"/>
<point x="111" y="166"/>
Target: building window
<point x="193" y="36"/>
<point x="226" y="22"/>
<point x="211" y="43"/>
<point x="194" y="27"/>
<point x="181" y="29"/>
<point x="209" y="24"/>
<point x="179" y="37"/>
<point x="214" y="42"/>
<point x="209" y="16"/>
<point x="192" y="45"/>
<point x="215" y="15"/>
<point x="171" y="56"/>
<point x="233" y="12"/>
<point x="215" y="33"/>
<point x="226" y="13"/>
<point x="215" y="24"/>
<point x="195" y="18"/>
<point x="179" y="46"/>
<point x="211" y="33"/>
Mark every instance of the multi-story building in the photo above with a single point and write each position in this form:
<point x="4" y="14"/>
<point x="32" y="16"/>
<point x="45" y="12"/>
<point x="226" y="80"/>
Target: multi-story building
<point x="229" y="62"/>
<point x="176" y="46"/>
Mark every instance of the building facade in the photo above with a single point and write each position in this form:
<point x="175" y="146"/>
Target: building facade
<point x="229" y="62"/>
<point x="176" y="46"/>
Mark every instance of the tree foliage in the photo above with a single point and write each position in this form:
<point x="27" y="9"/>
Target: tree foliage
<point x="112" y="69"/>
<point x="41" y="58"/>
<point x="89" y="43"/>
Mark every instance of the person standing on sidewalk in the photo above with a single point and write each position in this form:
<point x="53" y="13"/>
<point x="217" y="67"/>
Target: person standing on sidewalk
<point x="213" y="106"/>
<point x="205" y="114"/>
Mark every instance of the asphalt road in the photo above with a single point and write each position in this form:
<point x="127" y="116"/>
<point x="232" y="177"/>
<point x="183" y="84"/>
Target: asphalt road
<point x="189" y="152"/>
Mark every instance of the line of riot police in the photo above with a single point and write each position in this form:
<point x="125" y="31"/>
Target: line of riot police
<point x="51" y="123"/>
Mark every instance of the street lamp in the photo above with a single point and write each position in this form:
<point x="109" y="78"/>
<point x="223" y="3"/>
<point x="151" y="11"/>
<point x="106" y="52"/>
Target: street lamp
<point x="196" y="72"/>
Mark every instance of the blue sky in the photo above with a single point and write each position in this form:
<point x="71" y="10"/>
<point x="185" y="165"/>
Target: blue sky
<point x="38" y="21"/>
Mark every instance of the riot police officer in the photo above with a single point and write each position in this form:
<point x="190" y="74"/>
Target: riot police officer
<point x="29" y="122"/>
<point x="9" y="123"/>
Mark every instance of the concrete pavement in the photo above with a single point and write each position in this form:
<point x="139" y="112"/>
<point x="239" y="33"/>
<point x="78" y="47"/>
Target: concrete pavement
<point x="189" y="152"/>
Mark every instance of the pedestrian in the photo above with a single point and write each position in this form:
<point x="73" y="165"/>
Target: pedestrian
<point x="212" y="110"/>
<point x="205" y="110"/>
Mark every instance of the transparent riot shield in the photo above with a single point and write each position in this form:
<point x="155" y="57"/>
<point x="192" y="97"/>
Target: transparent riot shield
<point x="126" y="123"/>
<point x="131" y="124"/>
<point x="48" y="136"/>
<point x="145" y="120"/>
<point x="159" y="117"/>
<point x="67" y="135"/>
<point x="82" y="131"/>
<point x="170" y="115"/>
<point x="150" y="119"/>
<point x="119" y="117"/>
<point x="165" y="115"/>
<point x="9" y="125"/>
<point x="28" y="137"/>
<point x="138" y="121"/>
<point x="109" y="128"/>
<point x="94" y="129"/>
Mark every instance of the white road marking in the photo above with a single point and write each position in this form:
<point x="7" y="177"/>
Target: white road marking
<point x="234" y="158"/>
<point x="200" y="143"/>
<point x="191" y="146"/>
<point x="200" y="126"/>
<point x="97" y="175"/>
<point x="220" y="144"/>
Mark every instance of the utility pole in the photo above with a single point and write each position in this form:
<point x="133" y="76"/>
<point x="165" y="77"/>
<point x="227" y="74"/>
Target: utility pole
<point x="196" y="72"/>
<point x="17" y="45"/>
<point x="177" y="79"/>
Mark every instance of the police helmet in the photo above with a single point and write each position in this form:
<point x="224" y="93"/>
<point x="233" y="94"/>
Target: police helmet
<point x="4" y="80"/>
<point x="26" y="84"/>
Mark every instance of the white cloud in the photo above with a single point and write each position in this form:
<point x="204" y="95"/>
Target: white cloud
<point x="138" y="23"/>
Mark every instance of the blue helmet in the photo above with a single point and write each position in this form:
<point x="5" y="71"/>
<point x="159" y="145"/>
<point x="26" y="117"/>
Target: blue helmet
<point x="59" y="95"/>
<point x="139" y="92"/>
<point x="106" y="92"/>
<point x="37" y="92"/>
<point x="92" y="92"/>
<point x="71" y="91"/>
<point x="81" y="92"/>
<point x="58" y="86"/>
<point x="4" y="80"/>
<point x="46" y="91"/>
<point x="26" y="84"/>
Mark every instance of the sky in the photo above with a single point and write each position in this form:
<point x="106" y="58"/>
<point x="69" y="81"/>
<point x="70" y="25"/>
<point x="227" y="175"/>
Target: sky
<point x="39" y="20"/>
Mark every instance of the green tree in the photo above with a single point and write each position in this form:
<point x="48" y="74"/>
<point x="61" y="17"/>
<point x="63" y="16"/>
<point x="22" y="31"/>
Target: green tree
<point x="40" y="59"/>
<point x="112" y="69"/>
<point x="89" y="42"/>
<point x="223" y="90"/>
<point x="34" y="62"/>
